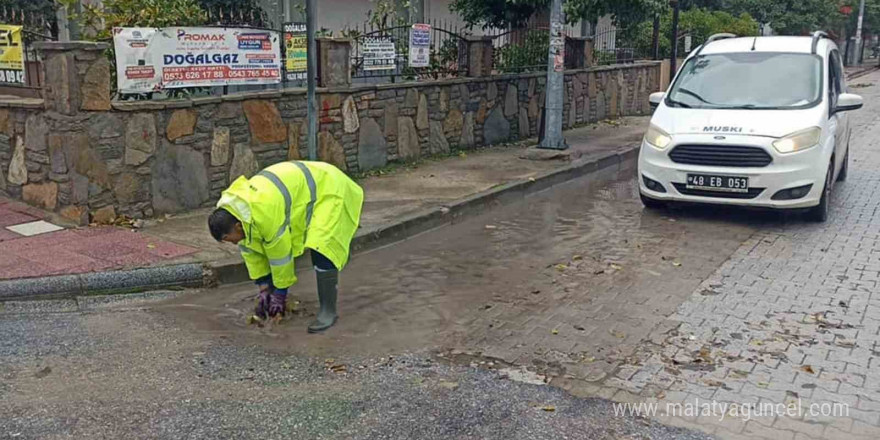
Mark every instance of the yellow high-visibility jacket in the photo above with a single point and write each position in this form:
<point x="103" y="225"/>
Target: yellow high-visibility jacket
<point x="289" y="207"/>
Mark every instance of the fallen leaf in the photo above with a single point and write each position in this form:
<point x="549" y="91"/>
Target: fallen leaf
<point x="447" y="385"/>
<point x="43" y="373"/>
<point x="763" y="384"/>
<point x="548" y="408"/>
<point x="617" y="334"/>
<point x="713" y="383"/>
<point x="676" y="264"/>
<point x="491" y="227"/>
<point x="739" y="374"/>
<point x="808" y="369"/>
<point x="338" y="368"/>
<point x="590" y="359"/>
<point x="560" y="267"/>
<point x="616" y="266"/>
<point x="254" y="320"/>
<point x="151" y="246"/>
<point x="554" y="331"/>
<point x="577" y="258"/>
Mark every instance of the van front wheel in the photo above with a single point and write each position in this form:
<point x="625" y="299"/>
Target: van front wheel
<point x="819" y="214"/>
<point x="844" y="169"/>
<point x="651" y="203"/>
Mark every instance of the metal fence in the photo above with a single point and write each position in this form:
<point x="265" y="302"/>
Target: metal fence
<point x="520" y="50"/>
<point x="613" y="45"/>
<point x="446" y="53"/>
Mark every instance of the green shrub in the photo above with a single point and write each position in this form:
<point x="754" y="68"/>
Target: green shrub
<point x="530" y="55"/>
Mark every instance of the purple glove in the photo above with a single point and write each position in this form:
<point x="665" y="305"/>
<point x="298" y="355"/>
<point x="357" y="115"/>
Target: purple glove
<point x="262" y="308"/>
<point x="278" y="302"/>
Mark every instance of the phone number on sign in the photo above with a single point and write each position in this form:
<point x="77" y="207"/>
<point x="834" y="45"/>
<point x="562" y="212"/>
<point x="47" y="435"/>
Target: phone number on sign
<point x="214" y="73"/>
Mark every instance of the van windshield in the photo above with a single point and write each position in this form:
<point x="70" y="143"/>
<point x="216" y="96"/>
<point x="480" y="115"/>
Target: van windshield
<point x="749" y="80"/>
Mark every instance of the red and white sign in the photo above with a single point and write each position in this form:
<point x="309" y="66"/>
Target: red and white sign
<point x="150" y="60"/>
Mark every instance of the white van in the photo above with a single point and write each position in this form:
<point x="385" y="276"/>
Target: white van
<point x="756" y="121"/>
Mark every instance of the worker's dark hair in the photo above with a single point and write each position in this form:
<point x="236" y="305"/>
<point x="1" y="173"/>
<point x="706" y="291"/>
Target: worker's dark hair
<point x="221" y="222"/>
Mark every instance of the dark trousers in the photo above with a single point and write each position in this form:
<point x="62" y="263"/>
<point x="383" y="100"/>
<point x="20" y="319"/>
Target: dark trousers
<point x="320" y="262"/>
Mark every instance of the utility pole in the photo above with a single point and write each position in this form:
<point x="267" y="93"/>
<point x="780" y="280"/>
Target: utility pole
<point x="417" y="11"/>
<point x="859" y="42"/>
<point x="673" y="59"/>
<point x="63" y="22"/>
<point x="312" y="72"/>
<point x="555" y="81"/>
<point x="655" y="39"/>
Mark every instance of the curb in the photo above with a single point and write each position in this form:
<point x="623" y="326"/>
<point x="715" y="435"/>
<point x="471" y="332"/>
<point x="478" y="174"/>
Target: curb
<point x="234" y="271"/>
<point x="862" y="72"/>
<point x="101" y="283"/>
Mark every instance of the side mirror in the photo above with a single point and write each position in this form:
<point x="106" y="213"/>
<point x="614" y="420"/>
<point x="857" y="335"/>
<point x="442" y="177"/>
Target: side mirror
<point x="848" y="102"/>
<point x="656" y="98"/>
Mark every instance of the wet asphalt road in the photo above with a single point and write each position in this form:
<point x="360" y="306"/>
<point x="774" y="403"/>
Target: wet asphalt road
<point x="132" y="373"/>
<point x="578" y="272"/>
<point x="188" y="366"/>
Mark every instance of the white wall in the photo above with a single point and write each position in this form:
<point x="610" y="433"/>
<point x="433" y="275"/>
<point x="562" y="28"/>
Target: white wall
<point x="337" y="15"/>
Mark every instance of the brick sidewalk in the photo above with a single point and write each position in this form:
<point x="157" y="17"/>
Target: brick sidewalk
<point x="31" y="247"/>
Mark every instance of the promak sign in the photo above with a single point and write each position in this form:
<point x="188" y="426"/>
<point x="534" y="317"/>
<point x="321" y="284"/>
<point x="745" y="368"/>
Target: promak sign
<point x="149" y="59"/>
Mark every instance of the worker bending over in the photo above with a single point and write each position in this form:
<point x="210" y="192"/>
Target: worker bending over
<point x="278" y="214"/>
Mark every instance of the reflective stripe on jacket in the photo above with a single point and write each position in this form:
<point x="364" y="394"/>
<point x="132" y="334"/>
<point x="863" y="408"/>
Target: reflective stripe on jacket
<point x="291" y="206"/>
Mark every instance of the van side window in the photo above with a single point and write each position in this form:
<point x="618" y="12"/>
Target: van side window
<point x="834" y="78"/>
<point x="841" y="77"/>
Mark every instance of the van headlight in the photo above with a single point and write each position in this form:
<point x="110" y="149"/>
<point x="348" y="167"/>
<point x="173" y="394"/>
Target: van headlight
<point x="658" y="138"/>
<point x="798" y="141"/>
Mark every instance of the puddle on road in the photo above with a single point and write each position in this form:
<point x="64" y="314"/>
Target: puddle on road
<point x="438" y="288"/>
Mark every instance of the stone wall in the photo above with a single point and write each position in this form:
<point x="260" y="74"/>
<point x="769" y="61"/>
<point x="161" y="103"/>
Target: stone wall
<point x="84" y="156"/>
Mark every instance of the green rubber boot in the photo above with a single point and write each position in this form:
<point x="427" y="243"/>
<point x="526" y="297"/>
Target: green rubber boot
<point x="327" y="285"/>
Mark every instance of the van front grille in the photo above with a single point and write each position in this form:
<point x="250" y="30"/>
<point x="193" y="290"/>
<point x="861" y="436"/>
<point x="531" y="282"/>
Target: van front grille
<point x="720" y="155"/>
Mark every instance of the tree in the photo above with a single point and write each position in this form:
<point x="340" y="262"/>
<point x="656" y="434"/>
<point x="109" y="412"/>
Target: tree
<point x="504" y="13"/>
<point x="99" y="20"/>
<point x="700" y="24"/>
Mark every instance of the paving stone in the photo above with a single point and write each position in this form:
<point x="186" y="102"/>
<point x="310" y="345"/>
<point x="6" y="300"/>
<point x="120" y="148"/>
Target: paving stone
<point x="34" y="228"/>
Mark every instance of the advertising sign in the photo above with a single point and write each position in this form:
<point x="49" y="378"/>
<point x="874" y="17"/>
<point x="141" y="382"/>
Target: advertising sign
<point x="11" y="55"/>
<point x="296" y="51"/>
<point x="379" y="53"/>
<point x="420" y="45"/>
<point x="149" y="59"/>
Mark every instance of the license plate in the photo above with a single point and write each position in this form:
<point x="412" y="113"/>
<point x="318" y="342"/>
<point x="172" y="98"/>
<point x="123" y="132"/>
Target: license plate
<point x="718" y="183"/>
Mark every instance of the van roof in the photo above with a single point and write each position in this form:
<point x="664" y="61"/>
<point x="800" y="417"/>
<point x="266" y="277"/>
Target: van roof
<point x="767" y="44"/>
